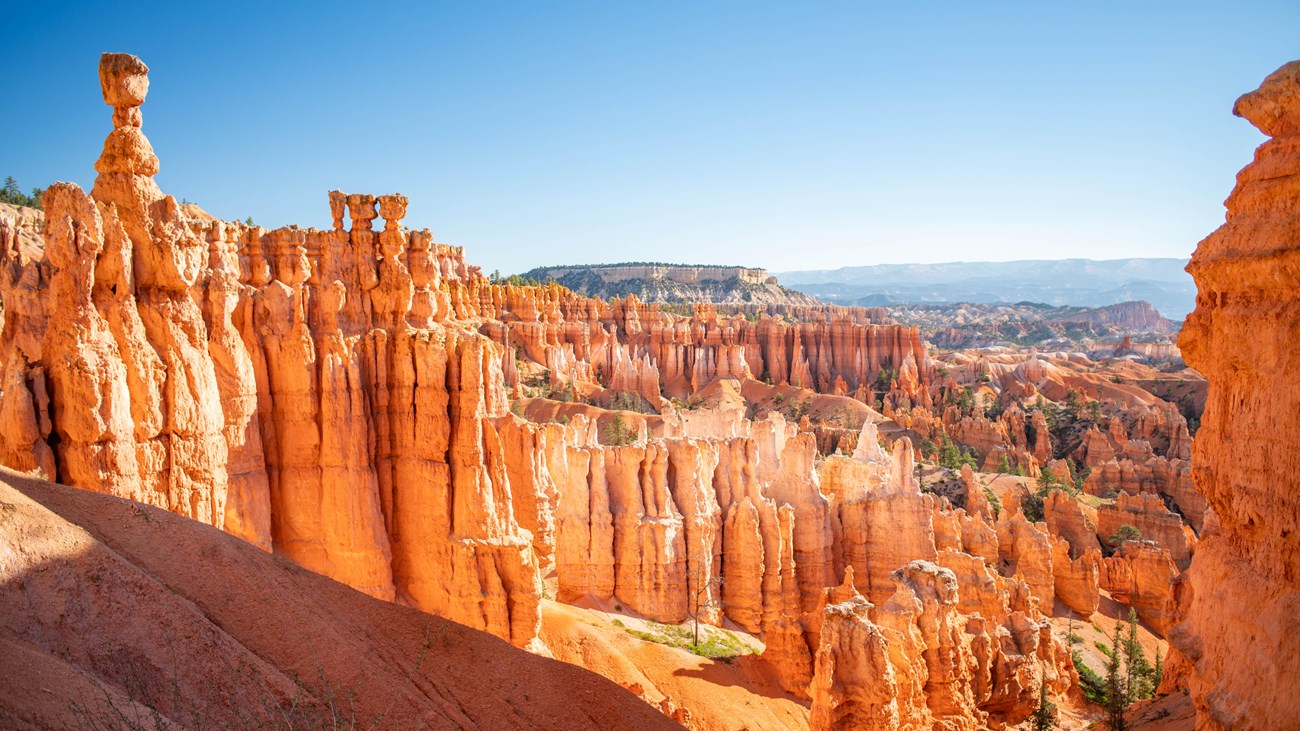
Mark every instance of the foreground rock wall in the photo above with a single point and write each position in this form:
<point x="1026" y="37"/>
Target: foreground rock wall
<point x="1242" y="621"/>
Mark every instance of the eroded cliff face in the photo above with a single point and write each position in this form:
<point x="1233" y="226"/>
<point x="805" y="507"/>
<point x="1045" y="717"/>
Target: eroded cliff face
<point x="295" y="387"/>
<point x="351" y="399"/>
<point x="1242" y="624"/>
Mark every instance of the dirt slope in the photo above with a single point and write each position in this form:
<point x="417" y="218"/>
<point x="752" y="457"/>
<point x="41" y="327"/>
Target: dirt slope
<point x="740" y="695"/>
<point x="121" y="616"/>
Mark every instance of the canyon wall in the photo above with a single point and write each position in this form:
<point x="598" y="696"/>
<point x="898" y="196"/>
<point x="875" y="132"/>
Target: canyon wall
<point x="1241" y="628"/>
<point x="295" y="387"/>
<point x="352" y="399"/>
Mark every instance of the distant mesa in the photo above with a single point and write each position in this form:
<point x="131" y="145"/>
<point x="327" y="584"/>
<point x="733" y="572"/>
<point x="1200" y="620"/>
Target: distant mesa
<point x="673" y="283"/>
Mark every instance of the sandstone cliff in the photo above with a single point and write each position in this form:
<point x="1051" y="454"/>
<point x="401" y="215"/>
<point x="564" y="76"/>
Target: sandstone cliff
<point x="1241" y="624"/>
<point x="352" y="399"/>
<point x="296" y="387"/>
<point x="673" y="283"/>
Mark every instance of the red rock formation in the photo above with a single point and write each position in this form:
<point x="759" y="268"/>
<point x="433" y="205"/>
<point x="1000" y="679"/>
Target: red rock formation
<point x="1147" y="513"/>
<point x="266" y="382"/>
<point x="918" y="661"/>
<point x="1141" y="575"/>
<point x="1077" y="580"/>
<point x="1072" y="521"/>
<point x="1025" y="551"/>
<point x="1240" y="624"/>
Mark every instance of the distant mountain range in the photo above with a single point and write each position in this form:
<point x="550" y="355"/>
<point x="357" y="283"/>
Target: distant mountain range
<point x="1060" y="282"/>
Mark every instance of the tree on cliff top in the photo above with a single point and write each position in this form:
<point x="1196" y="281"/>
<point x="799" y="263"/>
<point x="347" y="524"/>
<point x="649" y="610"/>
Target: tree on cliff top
<point x="1123" y="533"/>
<point x="13" y="195"/>
<point x="617" y="433"/>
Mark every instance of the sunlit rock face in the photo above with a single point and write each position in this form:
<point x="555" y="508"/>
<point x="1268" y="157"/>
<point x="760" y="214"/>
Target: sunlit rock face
<point x="271" y="383"/>
<point x="343" y="398"/>
<point x="1242" y="621"/>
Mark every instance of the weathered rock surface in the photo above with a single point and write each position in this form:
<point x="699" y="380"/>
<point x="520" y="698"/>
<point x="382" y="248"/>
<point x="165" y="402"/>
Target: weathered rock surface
<point x="266" y="382"/>
<point x="1241" y="621"/>
<point x="918" y="661"/>
<point x="343" y="398"/>
<point x="1142" y="574"/>
<point x="1155" y="522"/>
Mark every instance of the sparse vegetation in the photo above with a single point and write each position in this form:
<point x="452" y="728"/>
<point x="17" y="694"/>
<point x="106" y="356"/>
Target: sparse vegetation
<point x="1116" y="699"/>
<point x="1123" y="533"/>
<point x="616" y="432"/>
<point x="1092" y="684"/>
<point x="515" y="280"/>
<point x="13" y="195"/>
<point x="717" y="644"/>
<point x="954" y="456"/>
<point x="994" y="502"/>
<point x="1044" y="718"/>
<point x="629" y="401"/>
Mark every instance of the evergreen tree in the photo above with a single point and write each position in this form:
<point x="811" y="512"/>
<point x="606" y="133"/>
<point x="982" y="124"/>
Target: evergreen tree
<point x="12" y="193"/>
<point x="1137" y="670"/>
<point x="1044" y="718"/>
<point x="1116" y="684"/>
<point x="1004" y="464"/>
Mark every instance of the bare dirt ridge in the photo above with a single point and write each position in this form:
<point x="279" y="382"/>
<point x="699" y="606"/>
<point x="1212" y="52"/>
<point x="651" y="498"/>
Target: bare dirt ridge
<point x="111" y="611"/>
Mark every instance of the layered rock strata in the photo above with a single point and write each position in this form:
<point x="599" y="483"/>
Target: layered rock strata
<point x="343" y="398"/>
<point x="1243" y="589"/>
<point x="296" y="387"/>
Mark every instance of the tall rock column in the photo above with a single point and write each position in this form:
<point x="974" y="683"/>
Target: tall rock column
<point x="88" y="386"/>
<point x="1241" y="629"/>
<point x="184" y="463"/>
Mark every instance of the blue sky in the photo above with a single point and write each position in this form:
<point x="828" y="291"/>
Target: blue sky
<point x="786" y="135"/>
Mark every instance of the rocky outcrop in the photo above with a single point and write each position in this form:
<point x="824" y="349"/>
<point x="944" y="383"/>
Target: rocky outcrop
<point x="267" y="382"/>
<point x="1025" y="551"/>
<point x="1141" y="575"/>
<point x="1076" y="580"/>
<point x="1154" y="521"/>
<point x="1072" y="521"/>
<point x="918" y="661"/>
<point x="674" y="283"/>
<point x="1240" y="624"/>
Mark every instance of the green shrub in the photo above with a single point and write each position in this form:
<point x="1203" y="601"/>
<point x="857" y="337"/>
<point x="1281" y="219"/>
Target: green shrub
<point x="1123" y="533"/>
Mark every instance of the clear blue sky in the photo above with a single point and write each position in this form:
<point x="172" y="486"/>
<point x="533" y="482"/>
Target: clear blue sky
<point x="787" y="135"/>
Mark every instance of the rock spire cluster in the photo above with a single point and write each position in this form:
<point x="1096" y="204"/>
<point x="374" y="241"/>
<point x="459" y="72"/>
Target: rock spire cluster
<point x="352" y="399"/>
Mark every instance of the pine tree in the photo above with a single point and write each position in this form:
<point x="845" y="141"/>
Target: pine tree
<point x="1158" y="674"/>
<point x="1044" y="718"/>
<point x="1116" y="684"/>
<point x="1137" y="670"/>
<point x="12" y="193"/>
